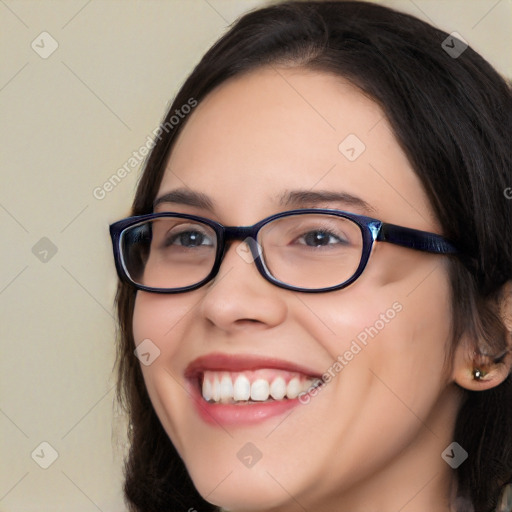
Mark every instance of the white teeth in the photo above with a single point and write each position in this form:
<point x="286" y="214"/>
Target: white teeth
<point x="226" y="387"/>
<point x="260" y="390"/>
<point x="278" y="388"/>
<point x="207" y="389"/>
<point x="242" y="388"/>
<point x="294" y="388"/>
<point x="317" y="383"/>
<point x="216" y="388"/>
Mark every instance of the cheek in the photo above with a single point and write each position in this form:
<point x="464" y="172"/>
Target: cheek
<point x="388" y="318"/>
<point x="161" y="318"/>
<point x="400" y="308"/>
<point x="397" y="334"/>
<point x="388" y="347"/>
<point x="158" y="327"/>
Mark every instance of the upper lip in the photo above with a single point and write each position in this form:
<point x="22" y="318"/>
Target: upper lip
<point x="242" y="362"/>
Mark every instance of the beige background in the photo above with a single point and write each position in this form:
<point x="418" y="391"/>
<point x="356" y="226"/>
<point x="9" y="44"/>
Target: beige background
<point x="69" y="121"/>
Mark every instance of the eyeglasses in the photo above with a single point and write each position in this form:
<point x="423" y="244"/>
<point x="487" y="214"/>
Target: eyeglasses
<point x="307" y="250"/>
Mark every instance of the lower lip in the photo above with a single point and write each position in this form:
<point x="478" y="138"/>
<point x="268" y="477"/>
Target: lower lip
<point x="244" y="414"/>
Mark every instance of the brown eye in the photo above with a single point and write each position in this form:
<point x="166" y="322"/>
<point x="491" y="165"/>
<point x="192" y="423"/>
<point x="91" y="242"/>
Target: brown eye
<point x="189" y="239"/>
<point x="319" y="238"/>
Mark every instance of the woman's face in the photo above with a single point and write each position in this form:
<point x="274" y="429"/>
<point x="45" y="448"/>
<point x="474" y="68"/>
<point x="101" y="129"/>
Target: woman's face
<point x="270" y="141"/>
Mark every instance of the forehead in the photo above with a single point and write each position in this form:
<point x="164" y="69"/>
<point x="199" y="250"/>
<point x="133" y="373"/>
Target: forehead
<point x="278" y="129"/>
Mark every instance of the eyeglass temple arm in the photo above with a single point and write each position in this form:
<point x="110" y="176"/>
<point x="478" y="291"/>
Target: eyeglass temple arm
<point x="415" y="239"/>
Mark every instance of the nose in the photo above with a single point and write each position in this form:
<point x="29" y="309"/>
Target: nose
<point x="239" y="296"/>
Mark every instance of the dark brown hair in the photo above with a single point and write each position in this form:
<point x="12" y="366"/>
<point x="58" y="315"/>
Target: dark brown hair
<point x="452" y="117"/>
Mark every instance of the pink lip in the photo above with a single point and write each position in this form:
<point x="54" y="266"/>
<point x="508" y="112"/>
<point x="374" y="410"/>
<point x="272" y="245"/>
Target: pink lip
<point x="240" y="363"/>
<point x="246" y="414"/>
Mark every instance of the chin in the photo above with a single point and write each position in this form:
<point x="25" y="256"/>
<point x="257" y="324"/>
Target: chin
<point x="243" y="491"/>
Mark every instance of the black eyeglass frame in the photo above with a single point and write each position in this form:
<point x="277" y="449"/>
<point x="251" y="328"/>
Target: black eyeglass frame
<point x="372" y="230"/>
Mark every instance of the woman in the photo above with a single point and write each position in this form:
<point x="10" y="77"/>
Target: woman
<point x="318" y="280"/>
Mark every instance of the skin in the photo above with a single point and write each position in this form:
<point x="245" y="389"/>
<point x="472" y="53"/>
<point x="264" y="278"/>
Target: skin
<point x="372" y="438"/>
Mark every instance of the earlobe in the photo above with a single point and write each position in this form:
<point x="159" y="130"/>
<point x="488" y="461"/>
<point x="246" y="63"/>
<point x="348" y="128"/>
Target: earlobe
<point x="477" y="372"/>
<point x="474" y="376"/>
<point x="506" y="306"/>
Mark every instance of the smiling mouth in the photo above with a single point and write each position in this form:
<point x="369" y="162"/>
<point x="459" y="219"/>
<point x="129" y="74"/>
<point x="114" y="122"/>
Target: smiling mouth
<point x="246" y="389"/>
<point x="256" y="386"/>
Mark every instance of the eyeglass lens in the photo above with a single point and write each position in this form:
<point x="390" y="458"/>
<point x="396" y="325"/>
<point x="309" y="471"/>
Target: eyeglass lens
<point x="310" y="251"/>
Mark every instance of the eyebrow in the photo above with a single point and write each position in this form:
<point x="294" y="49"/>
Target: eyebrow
<point x="291" y="199"/>
<point x="309" y="198"/>
<point x="186" y="197"/>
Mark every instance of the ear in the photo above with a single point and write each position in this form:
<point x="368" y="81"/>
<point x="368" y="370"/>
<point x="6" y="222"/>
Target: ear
<point x="477" y="372"/>
<point x="506" y="306"/>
